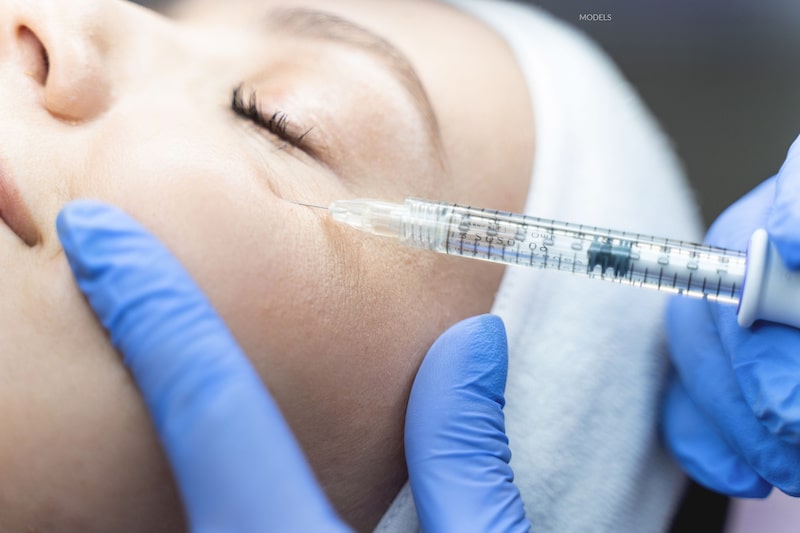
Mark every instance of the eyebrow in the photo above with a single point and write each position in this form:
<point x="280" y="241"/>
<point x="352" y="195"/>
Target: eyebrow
<point x="314" y="24"/>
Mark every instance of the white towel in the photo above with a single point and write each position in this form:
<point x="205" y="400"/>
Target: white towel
<point x="586" y="359"/>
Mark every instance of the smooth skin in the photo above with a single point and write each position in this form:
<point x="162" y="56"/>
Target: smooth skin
<point x="105" y="100"/>
<point x="236" y="462"/>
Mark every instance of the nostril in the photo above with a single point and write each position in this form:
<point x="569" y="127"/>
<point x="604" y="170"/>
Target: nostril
<point x="68" y="62"/>
<point x="33" y="55"/>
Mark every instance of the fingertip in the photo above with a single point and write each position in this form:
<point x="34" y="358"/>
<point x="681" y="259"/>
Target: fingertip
<point x="89" y="229"/>
<point x="475" y="350"/>
<point x="491" y="322"/>
<point x="478" y="339"/>
<point x="80" y="215"/>
<point x="486" y="325"/>
<point x="71" y="224"/>
<point x="488" y="337"/>
<point x="85" y="208"/>
<point x="493" y="327"/>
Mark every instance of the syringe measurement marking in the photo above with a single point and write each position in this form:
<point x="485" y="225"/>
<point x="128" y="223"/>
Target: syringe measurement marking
<point x="450" y="224"/>
<point x="614" y="249"/>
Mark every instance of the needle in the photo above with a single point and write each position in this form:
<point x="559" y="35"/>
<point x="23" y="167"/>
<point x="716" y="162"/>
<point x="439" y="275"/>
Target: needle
<point x="315" y="206"/>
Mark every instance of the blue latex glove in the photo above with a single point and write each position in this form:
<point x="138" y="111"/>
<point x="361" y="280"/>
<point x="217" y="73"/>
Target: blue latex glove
<point x="236" y="462"/>
<point x="455" y="433"/>
<point x="731" y="415"/>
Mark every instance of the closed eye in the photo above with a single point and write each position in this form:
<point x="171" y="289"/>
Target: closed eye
<point x="246" y="105"/>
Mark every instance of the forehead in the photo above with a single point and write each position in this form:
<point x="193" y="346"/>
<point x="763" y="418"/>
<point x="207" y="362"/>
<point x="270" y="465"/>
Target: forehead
<point x="295" y="19"/>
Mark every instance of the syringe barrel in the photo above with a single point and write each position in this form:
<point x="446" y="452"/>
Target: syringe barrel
<point x="512" y="239"/>
<point x="627" y="258"/>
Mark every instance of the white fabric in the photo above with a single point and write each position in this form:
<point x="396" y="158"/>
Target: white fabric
<point x="586" y="359"/>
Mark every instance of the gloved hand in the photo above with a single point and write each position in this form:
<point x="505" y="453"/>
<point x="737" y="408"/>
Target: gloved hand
<point x="456" y="446"/>
<point x="731" y="414"/>
<point x="236" y="462"/>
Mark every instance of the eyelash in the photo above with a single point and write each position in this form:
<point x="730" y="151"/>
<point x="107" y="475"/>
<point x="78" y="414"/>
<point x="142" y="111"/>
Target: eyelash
<point x="250" y="109"/>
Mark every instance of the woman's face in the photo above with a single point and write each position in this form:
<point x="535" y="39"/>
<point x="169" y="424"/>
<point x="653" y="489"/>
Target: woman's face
<point x="106" y="100"/>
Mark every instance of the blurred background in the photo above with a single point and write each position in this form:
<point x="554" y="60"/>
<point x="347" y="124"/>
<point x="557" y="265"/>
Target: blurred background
<point x="722" y="77"/>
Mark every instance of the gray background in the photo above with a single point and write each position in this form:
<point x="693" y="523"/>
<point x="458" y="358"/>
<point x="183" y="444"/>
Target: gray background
<point x="723" y="78"/>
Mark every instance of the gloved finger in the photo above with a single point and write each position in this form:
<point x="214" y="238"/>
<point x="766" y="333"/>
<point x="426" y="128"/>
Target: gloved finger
<point x="700" y="450"/>
<point x="783" y="225"/>
<point x="733" y="228"/>
<point x="708" y="378"/>
<point x="763" y="357"/>
<point x="766" y="361"/>
<point x="456" y="447"/>
<point x="234" y="458"/>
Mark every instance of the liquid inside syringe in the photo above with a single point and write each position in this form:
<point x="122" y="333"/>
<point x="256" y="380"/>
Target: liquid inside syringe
<point x="512" y="239"/>
<point x="627" y="258"/>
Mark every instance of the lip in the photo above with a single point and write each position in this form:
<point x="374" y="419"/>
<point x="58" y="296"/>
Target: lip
<point x="13" y="211"/>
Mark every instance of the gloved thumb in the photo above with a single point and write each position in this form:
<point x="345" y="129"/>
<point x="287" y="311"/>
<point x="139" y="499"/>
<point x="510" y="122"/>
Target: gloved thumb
<point x="456" y="447"/>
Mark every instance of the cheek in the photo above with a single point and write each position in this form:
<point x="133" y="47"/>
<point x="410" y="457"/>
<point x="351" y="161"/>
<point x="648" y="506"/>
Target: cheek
<point x="259" y="259"/>
<point x="70" y="415"/>
<point x="252" y="253"/>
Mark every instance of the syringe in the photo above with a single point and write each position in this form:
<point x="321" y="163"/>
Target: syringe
<point x="771" y="292"/>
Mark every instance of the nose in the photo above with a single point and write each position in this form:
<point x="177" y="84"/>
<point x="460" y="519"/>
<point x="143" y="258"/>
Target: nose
<point x="65" y="46"/>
